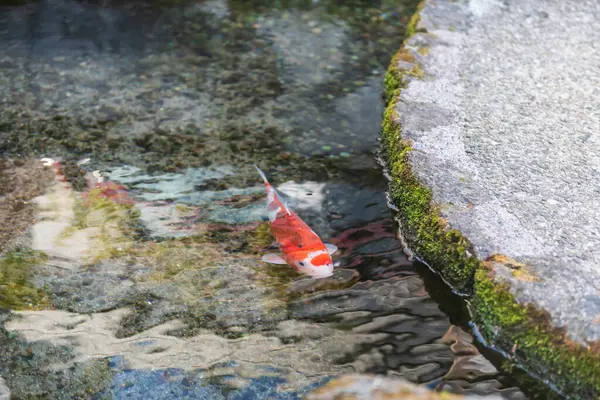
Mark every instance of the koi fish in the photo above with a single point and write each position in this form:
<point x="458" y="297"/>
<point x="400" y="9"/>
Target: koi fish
<point x="300" y="246"/>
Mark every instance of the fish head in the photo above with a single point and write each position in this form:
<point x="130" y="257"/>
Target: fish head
<point x="317" y="264"/>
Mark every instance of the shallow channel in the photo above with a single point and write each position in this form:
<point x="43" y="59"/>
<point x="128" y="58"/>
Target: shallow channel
<point x="165" y="296"/>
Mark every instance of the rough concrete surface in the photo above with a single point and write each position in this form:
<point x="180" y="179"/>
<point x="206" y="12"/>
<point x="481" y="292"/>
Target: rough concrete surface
<point x="505" y="129"/>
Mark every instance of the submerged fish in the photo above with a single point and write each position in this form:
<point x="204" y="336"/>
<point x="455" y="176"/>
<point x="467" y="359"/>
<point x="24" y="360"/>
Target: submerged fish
<point x="300" y="246"/>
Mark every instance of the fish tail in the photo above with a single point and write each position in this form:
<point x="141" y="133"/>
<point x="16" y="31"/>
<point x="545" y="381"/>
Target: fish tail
<point x="262" y="175"/>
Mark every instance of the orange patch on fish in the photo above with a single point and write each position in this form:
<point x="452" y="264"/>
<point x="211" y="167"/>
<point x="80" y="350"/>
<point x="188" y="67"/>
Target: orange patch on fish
<point x="321" y="259"/>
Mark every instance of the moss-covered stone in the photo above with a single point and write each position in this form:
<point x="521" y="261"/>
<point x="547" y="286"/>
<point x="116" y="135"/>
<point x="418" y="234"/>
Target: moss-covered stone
<point x="523" y="332"/>
<point x="214" y="243"/>
<point x="16" y="273"/>
<point x="443" y="249"/>
<point x="534" y="344"/>
<point x="171" y="257"/>
<point x="411" y="28"/>
<point x="446" y="250"/>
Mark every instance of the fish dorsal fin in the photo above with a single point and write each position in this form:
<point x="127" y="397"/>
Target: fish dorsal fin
<point x="280" y="198"/>
<point x="262" y="175"/>
<point x="273" y="259"/>
<point x="283" y="202"/>
<point x="331" y="248"/>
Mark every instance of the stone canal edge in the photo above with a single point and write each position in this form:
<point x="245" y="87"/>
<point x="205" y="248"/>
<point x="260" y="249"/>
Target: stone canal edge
<point x="521" y="331"/>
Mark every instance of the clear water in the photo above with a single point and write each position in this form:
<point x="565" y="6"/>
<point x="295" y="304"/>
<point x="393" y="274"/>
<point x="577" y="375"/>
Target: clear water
<point x="176" y="100"/>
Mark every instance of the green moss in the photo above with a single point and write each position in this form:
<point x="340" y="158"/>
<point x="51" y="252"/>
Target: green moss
<point x="109" y="210"/>
<point x="392" y="82"/>
<point x="252" y="238"/>
<point x="95" y="210"/>
<point x="170" y="257"/>
<point x="261" y="237"/>
<point x="16" y="289"/>
<point x="538" y="347"/>
<point x="141" y="316"/>
<point x="411" y="28"/>
<point x="213" y="244"/>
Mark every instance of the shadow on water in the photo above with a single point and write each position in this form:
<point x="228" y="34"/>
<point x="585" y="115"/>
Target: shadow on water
<point x="154" y="289"/>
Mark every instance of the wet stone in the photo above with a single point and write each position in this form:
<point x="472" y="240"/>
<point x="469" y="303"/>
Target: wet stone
<point x="380" y="246"/>
<point x="368" y="387"/>
<point x="33" y="369"/>
<point x="471" y="367"/>
<point x="379" y="297"/>
<point x="223" y="297"/>
<point x="84" y="289"/>
<point x="491" y="386"/>
<point x="169" y="204"/>
<point x="340" y="279"/>
<point x="147" y="312"/>
<point x="461" y="343"/>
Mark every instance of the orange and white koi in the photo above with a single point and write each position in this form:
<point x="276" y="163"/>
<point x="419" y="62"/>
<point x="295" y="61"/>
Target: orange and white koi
<point x="300" y="246"/>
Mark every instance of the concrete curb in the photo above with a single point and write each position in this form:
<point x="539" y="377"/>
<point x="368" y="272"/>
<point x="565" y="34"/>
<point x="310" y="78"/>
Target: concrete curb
<point x="508" y="321"/>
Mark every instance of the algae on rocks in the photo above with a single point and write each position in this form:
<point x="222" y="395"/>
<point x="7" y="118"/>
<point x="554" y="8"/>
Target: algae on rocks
<point x="534" y="344"/>
<point x="16" y="274"/>
<point x="446" y="250"/>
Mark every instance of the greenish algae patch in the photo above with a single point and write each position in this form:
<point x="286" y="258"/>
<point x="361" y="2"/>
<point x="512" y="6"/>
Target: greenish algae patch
<point x="523" y="331"/>
<point x="212" y="245"/>
<point x="109" y="221"/>
<point x="534" y="343"/>
<point x="16" y="289"/>
<point x="171" y="257"/>
<point x="96" y="210"/>
<point x="411" y="28"/>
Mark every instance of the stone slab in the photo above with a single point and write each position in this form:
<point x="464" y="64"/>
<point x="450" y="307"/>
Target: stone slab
<point x="505" y="129"/>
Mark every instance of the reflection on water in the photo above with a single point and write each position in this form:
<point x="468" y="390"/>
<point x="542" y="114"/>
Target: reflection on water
<point x="167" y="298"/>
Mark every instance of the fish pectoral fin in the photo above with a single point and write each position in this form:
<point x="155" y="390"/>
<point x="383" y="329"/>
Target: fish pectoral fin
<point x="331" y="248"/>
<point x="273" y="259"/>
